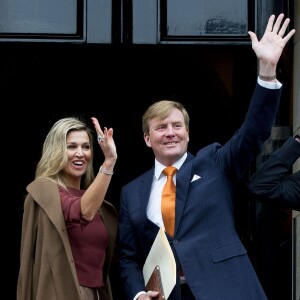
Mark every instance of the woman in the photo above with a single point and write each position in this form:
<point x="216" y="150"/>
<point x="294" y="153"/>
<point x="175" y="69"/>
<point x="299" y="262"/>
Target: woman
<point x="68" y="229"/>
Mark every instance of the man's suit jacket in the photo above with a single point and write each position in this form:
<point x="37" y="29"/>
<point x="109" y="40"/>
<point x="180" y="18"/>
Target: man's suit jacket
<point x="273" y="181"/>
<point x="211" y="254"/>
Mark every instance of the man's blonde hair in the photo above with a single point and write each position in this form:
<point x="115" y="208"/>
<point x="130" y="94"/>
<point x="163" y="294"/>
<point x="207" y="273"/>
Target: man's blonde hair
<point x="160" y="110"/>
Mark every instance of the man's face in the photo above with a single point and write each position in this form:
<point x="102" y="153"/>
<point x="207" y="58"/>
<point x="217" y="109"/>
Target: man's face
<point x="168" y="138"/>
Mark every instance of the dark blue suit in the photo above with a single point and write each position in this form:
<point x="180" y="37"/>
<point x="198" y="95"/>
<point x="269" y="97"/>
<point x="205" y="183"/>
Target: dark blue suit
<point x="213" y="258"/>
<point x="274" y="182"/>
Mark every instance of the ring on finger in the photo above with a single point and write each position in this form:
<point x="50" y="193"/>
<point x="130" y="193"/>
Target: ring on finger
<point x="100" y="138"/>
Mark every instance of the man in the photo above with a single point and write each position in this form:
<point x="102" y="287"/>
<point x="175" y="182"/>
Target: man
<point x="273" y="181"/>
<point x="211" y="261"/>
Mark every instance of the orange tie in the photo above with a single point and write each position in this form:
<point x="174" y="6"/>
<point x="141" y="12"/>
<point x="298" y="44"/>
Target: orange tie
<point x="168" y="200"/>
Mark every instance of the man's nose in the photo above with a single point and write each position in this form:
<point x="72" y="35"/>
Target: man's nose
<point x="170" y="130"/>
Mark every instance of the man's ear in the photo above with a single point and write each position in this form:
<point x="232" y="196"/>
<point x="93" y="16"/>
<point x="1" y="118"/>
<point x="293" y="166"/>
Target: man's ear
<point x="147" y="139"/>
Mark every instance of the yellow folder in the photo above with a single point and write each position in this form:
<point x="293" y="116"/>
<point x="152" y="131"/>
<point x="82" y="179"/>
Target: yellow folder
<point x="161" y="260"/>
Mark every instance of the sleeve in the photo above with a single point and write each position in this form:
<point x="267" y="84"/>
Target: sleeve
<point x="274" y="181"/>
<point x="29" y="229"/>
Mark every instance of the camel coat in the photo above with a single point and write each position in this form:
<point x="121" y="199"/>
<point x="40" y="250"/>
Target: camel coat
<point x="47" y="269"/>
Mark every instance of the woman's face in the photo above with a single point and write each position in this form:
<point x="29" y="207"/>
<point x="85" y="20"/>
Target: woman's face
<point x="79" y="156"/>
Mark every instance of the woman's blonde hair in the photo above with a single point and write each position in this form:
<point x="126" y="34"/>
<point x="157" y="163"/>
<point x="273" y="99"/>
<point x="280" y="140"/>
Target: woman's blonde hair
<point x="54" y="154"/>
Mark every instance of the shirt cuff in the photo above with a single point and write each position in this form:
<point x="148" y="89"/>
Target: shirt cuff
<point x="269" y="85"/>
<point x="138" y="294"/>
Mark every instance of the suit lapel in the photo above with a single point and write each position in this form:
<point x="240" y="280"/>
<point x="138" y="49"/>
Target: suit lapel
<point x="183" y="179"/>
<point x="145" y="189"/>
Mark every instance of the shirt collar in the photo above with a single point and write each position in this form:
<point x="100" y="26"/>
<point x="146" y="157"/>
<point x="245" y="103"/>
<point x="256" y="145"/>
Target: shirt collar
<point x="159" y="167"/>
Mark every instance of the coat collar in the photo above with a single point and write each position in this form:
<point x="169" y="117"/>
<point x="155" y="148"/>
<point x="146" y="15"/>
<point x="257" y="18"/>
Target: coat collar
<point x="46" y="194"/>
